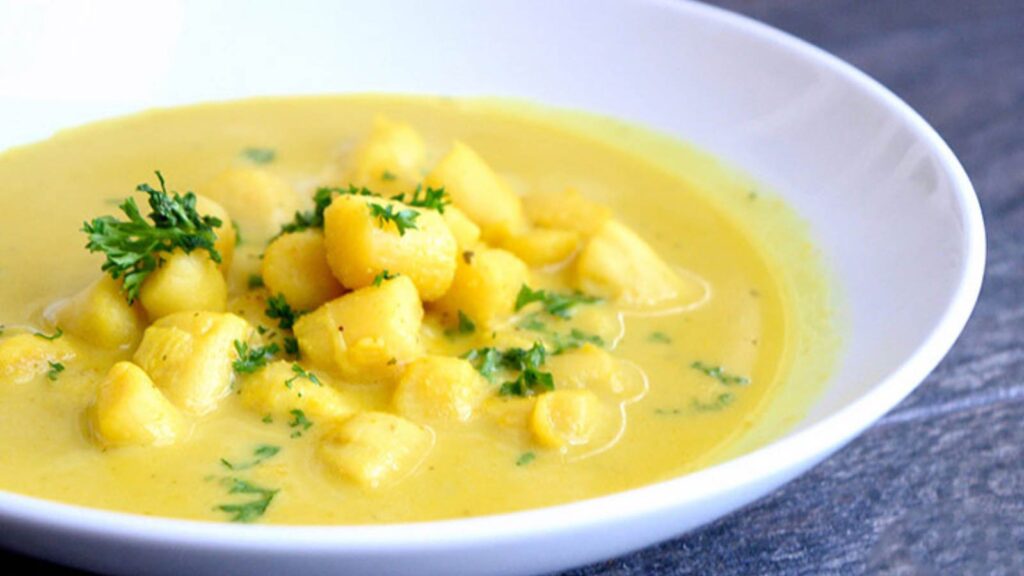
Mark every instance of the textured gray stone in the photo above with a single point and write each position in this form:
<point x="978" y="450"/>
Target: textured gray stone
<point x="937" y="487"/>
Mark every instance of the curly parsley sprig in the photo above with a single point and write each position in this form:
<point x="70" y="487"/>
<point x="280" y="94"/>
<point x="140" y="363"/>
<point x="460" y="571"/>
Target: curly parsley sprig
<point x="135" y="248"/>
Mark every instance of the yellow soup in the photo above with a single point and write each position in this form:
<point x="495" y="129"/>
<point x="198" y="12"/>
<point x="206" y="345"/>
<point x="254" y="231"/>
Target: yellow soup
<point x="383" y="309"/>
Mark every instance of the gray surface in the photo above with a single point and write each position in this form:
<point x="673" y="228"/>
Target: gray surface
<point x="937" y="487"/>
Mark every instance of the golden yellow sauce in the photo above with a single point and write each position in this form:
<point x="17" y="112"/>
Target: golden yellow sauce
<point x="704" y="221"/>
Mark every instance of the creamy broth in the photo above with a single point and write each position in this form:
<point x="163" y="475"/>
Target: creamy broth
<point x="698" y="376"/>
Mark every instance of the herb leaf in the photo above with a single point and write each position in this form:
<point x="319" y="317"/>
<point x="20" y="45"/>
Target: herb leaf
<point x="262" y="453"/>
<point x="252" y="510"/>
<point x="556" y="304"/>
<point x="301" y="372"/>
<point x="133" y="247"/>
<point x="259" y="155"/>
<point x="526" y="362"/>
<point x="279" y="309"/>
<point x="525" y="458"/>
<point x="721" y="401"/>
<point x="403" y="220"/>
<point x="52" y="337"/>
<point x="380" y="278"/>
<point x="432" y="198"/>
<point x="466" y="325"/>
<point x="322" y="199"/>
<point x="55" y="369"/>
<point x="299" y="423"/>
<point x="659" y="337"/>
<point x="252" y="359"/>
<point x="718" y="373"/>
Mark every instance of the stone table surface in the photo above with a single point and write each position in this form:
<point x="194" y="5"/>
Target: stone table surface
<point x="937" y="486"/>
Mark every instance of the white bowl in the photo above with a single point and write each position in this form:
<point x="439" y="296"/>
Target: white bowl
<point x="890" y="207"/>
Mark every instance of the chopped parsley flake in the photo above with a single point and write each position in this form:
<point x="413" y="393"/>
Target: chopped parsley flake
<point x="52" y="337"/>
<point x="431" y="198"/>
<point x="299" y="423"/>
<point x="252" y="359"/>
<point x="253" y="509"/>
<point x="259" y="155"/>
<point x="718" y="373"/>
<point x="301" y="372"/>
<point x="134" y="247"/>
<point x="526" y="363"/>
<point x="388" y="176"/>
<point x="55" y="369"/>
<point x="659" y="337"/>
<point x="560" y="305"/>
<point x="291" y="346"/>
<point x="525" y="458"/>
<point x="466" y="325"/>
<point x="279" y="309"/>
<point x="255" y="281"/>
<point x="721" y="401"/>
<point x="262" y="453"/>
<point x="380" y="278"/>
<point x="403" y="220"/>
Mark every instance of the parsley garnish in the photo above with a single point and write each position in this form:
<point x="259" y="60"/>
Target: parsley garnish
<point x="279" y="309"/>
<point x="380" y="278"/>
<point x="659" y="337"/>
<point x="526" y="362"/>
<point x="255" y="281"/>
<point x="133" y="247"/>
<point x="299" y="422"/>
<point x="721" y="401"/>
<point x="431" y="199"/>
<point x="322" y="199"/>
<point x="252" y="510"/>
<point x="576" y="338"/>
<point x="262" y="453"/>
<point x="252" y="359"/>
<point x="403" y="219"/>
<point x="301" y="372"/>
<point x="466" y="325"/>
<point x="55" y="335"/>
<point x="525" y="458"/>
<point x="388" y="176"/>
<point x="559" y="305"/>
<point x="267" y="419"/>
<point x="55" y="369"/>
<point x="718" y="373"/>
<point x="259" y="155"/>
<point x="291" y="346"/>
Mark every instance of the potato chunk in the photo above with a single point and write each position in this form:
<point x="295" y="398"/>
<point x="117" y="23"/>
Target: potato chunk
<point x="361" y="246"/>
<point x="543" y="246"/>
<point x="226" y="234"/>
<point x="375" y="448"/>
<point x="189" y="354"/>
<point x="101" y="315"/>
<point x="25" y="356"/>
<point x="478" y="191"/>
<point x="296" y="265"/>
<point x="618" y="265"/>
<point x="486" y="283"/>
<point x="464" y="230"/>
<point x="185" y="282"/>
<point x="389" y="159"/>
<point x="566" y="210"/>
<point x="439" y="390"/>
<point x="130" y="410"/>
<point x="266" y="392"/>
<point x="594" y="369"/>
<point x="259" y="201"/>
<point x="565" y="418"/>
<point x="366" y="335"/>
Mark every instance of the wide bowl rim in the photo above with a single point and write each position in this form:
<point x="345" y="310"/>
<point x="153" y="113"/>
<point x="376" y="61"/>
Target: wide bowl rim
<point x="791" y="451"/>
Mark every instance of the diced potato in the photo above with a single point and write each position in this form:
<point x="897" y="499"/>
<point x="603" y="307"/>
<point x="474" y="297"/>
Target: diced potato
<point x="265" y="392"/>
<point x="259" y="201"/>
<point x="130" y="410"/>
<point x="594" y="369"/>
<point x="25" y="356"/>
<point x="510" y="412"/>
<point x="226" y="234"/>
<point x="366" y="335"/>
<point x="565" y="418"/>
<point x="486" y="283"/>
<point x="390" y="158"/>
<point x="360" y="246"/>
<point x="251" y="305"/>
<point x="543" y="246"/>
<point x="185" y="282"/>
<point x="439" y="390"/>
<point x="478" y="191"/>
<point x="296" y="265"/>
<point x="189" y="355"/>
<point x="465" y="231"/>
<point x="618" y="265"/>
<point x="101" y="315"/>
<point x="566" y="210"/>
<point x="374" y="449"/>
